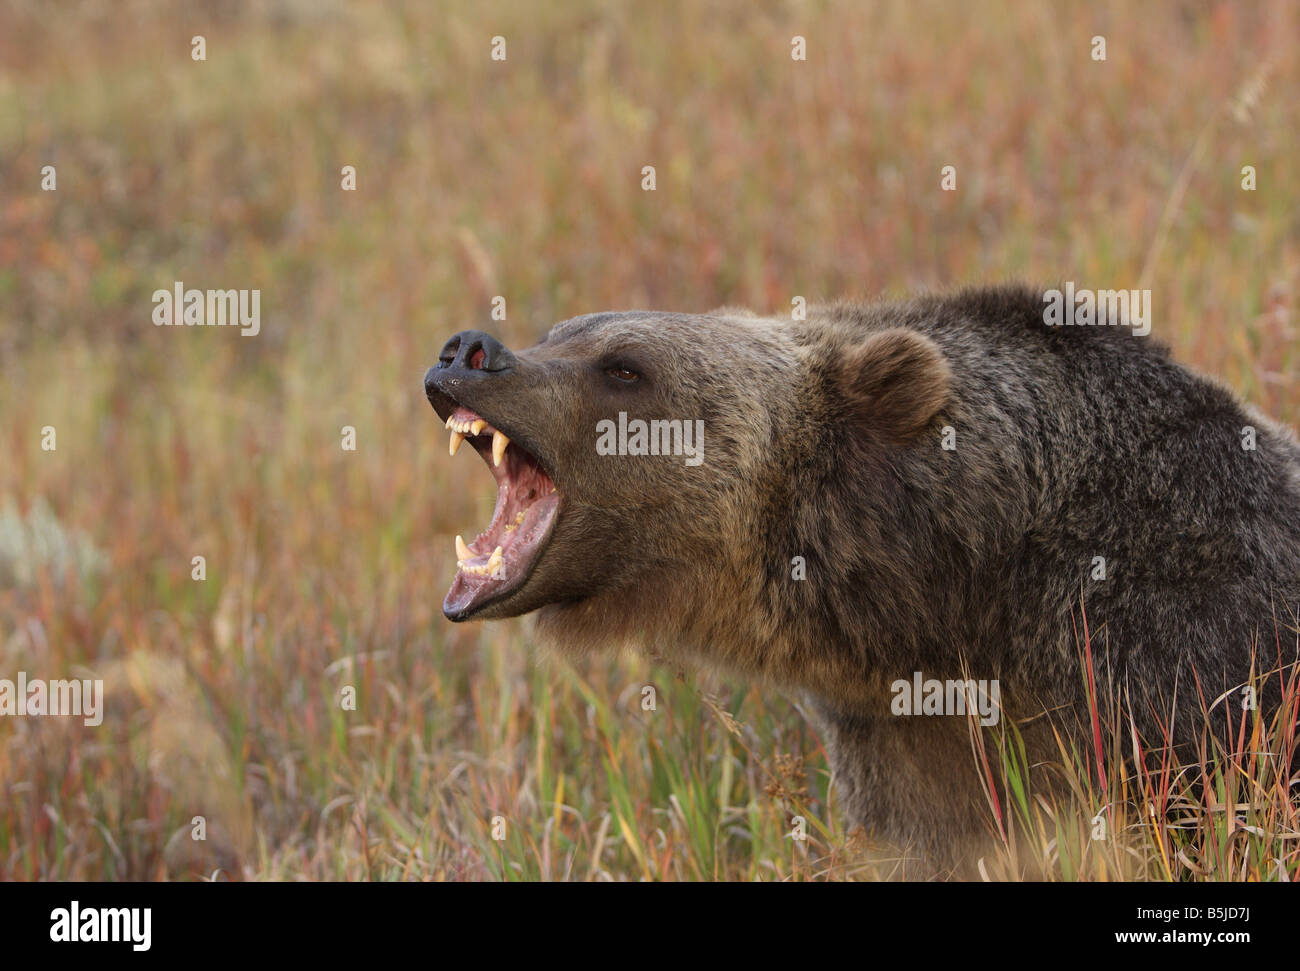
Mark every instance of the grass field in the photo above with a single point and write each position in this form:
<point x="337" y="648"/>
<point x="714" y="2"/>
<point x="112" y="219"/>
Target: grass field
<point x="325" y="568"/>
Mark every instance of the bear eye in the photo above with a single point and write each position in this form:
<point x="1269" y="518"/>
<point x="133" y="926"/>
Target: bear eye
<point x="626" y="375"/>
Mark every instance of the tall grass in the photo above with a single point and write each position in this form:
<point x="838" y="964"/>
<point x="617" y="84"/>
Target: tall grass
<point x="1116" y="806"/>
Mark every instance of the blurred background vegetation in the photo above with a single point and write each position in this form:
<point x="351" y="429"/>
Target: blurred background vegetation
<point x="519" y="178"/>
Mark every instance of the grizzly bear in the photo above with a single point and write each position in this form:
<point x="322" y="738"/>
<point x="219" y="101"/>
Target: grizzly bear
<point x="949" y="489"/>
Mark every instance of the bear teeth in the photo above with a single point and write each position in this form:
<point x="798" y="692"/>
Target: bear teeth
<point x="463" y="428"/>
<point x="491" y="568"/>
<point x="499" y="443"/>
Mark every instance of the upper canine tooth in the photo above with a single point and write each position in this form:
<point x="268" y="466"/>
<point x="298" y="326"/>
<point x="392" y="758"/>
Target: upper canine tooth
<point x="456" y="439"/>
<point x="462" y="551"/>
<point x="499" y="443"/>
<point x="478" y="426"/>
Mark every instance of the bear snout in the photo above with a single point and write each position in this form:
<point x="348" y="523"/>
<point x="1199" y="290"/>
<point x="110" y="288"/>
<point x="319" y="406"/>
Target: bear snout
<point x="475" y="350"/>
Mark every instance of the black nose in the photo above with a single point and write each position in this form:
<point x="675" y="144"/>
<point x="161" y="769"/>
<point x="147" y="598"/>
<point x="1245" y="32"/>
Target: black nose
<point x="476" y="351"/>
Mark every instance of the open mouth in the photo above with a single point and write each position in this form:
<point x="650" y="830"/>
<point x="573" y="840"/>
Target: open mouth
<point x="498" y="560"/>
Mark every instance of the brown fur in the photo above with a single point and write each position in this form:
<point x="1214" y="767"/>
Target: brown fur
<point x="823" y="442"/>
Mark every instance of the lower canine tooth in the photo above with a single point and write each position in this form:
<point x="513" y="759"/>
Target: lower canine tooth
<point x="456" y="439"/>
<point x="462" y="550"/>
<point x="499" y="443"/>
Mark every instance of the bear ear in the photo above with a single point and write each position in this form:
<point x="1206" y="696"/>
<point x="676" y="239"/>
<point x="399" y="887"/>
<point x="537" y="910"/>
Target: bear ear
<point x="893" y="383"/>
